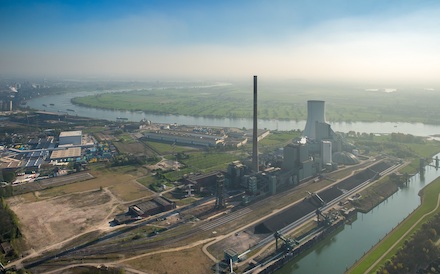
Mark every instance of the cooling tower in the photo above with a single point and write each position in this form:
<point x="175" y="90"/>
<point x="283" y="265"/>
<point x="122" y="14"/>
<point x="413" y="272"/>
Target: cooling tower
<point x="315" y="113"/>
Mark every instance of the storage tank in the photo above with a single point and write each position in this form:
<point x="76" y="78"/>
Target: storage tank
<point x="315" y="113"/>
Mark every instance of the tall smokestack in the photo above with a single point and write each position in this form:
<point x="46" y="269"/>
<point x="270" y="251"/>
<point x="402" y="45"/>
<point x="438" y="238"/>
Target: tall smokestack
<point x="255" y="135"/>
<point x="315" y="113"/>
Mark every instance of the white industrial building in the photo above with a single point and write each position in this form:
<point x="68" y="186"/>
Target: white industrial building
<point x="186" y="138"/>
<point x="326" y="152"/>
<point x="70" y="137"/>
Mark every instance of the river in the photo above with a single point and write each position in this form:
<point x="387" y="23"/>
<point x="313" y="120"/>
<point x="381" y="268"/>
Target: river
<point x="339" y="252"/>
<point x="62" y="102"/>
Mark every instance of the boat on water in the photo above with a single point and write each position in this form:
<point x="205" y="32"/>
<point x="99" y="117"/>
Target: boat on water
<point x="52" y="104"/>
<point x="44" y="105"/>
<point x="70" y="110"/>
<point x="121" y="118"/>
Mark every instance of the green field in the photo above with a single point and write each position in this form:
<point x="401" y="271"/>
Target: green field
<point x="286" y="100"/>
<point x="166" y="148"/>
<point x="429" y="202"/>
<point x="202" y="162"/>
<point x="276" y="139"/>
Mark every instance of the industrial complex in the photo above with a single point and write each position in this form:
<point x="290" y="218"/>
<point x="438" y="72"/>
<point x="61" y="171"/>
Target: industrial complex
<point x="42" y="153"/>
<point x="218" y="199"/>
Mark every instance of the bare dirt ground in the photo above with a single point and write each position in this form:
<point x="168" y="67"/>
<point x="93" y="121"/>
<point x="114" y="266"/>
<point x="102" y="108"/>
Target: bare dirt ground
<point x="174" y="262"/>
<point x="239" y="241"/>
<point x="166" y="165"/>
<point x="50" y="221"/>
<point x="135" y="148"/>
<point x="104" y="136"/>
<point x="49" y="217"/>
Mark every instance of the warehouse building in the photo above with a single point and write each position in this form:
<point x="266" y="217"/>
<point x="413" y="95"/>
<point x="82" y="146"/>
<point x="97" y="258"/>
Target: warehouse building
<point x="70" y="137"/>
<point x="157" y="205"/>
<point x="66" y="154"/>
<point x="185" y="138"/>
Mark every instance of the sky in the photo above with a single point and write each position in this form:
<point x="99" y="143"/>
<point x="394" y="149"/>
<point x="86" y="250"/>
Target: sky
<point x="337" y="40"/>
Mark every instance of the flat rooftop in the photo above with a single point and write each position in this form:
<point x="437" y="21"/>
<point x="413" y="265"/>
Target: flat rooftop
<point x="11" y="164"/>
<point x="72" y="152"/>
<point x="71" y="133"/>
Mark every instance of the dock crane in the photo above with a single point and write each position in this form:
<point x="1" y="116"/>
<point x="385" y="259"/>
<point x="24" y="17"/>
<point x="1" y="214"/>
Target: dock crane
<point x="325" y="221"/>
<point x="288" y="244"/>
<point x="322" y="219"/>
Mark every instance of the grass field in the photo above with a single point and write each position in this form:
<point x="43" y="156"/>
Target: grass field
<point x="164" y="148"/>
<point x="147" y="180"/>
<point x="276" y="139"/>
<point x="174" y="262"/>
<point x="121" y="181"/>
<point x="207" y="162"/>
<point x="429" y="202"/>
<point x="202" y="162"/>
<point x="130" y="148"/>
<point x="287" y="100"/>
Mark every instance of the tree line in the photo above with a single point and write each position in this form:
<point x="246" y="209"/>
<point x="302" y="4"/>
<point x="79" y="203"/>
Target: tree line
<point x="417" y="252"/>
<point x="9" y="229"/>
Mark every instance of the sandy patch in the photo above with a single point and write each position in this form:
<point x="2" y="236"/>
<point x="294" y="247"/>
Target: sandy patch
<point x="51" y="221"/>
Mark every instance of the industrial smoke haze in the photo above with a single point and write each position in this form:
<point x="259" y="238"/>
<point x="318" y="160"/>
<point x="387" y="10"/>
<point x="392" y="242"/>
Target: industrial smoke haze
<point x="379" y="42"/>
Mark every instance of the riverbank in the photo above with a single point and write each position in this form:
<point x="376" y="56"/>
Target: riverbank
<point x="375" y="194"/>
<point x="236" y="102"/>
<point x="394" y="240"/>
<point x="387" y="186"/>
<point x="62" y="102"/>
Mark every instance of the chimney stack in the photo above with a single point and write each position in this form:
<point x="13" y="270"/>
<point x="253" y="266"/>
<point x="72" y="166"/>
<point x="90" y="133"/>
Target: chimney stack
<point x="255" y="133"/>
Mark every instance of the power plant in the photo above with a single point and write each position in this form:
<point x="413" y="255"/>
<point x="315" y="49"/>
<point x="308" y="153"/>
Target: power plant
<point x="319" y="150"/>
<point x="308" y="158"/>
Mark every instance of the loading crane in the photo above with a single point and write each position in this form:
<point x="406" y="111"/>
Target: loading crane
<point x="324" y="220"/>
<point x="288" y="244"/>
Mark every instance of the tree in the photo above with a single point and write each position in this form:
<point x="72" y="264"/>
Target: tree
<point x="8" y="175"/>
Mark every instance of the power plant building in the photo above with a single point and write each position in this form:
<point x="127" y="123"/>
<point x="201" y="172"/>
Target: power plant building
<point x="323" y="131"/>
<point x="310" y="155"/>
<point x="326" y="152"/>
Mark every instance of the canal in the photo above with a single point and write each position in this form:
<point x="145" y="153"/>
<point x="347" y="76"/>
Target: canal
<point x="342" y="250"/>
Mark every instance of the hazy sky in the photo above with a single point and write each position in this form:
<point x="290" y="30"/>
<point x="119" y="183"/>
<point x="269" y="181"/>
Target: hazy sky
<point x="346" y="40"/>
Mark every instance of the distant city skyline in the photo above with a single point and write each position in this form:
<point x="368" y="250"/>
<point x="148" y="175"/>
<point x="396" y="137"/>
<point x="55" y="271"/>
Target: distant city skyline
<point x="364" y="41"/>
